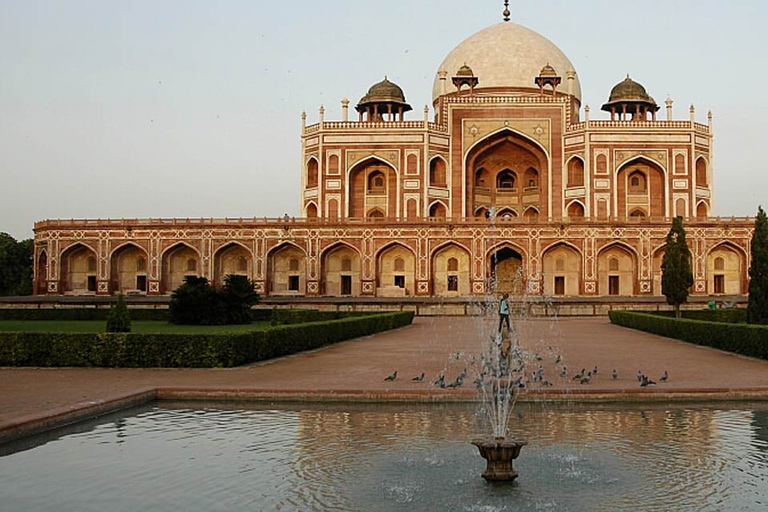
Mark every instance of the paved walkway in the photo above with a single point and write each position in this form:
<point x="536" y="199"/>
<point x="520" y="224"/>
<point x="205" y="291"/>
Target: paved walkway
<point x="356" y="370"/>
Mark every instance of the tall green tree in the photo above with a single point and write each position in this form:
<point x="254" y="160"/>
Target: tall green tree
<point x="676" y="274"/>
<point x="15" y="266"/>
<point x="757" y="309"/>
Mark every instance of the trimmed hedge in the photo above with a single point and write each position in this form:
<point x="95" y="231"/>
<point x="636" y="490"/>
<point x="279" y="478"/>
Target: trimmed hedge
<point x="745" y="339"/>
<point x="154" y="315"/>
<point x="728" y="316"/>
<point x="128" y="350"/>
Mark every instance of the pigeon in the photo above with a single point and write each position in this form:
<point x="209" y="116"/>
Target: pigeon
<point x="440" y="382"/>
<point x="545" y="382"/>
<point x="586" y="379"/>
<point x="664" y="377"/>
<point x="579" y="375"/>
<point x="457" y="383"/>
<point x="594" y="371"/>
<point x="646" y="382"/>
<point x="538" y="357"/>
<point x="463" y="373"/>
<point x="419" y="378"/>
<point x="559" y="359"/>
<point x="640" y="376"/>
<point x="564" y="373"/>
<point x="615" y="374"/>
<point x="392" y="377"/>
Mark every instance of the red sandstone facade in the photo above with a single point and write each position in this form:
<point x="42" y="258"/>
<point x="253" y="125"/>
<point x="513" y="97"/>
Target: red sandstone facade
<point x="505" y="189"/>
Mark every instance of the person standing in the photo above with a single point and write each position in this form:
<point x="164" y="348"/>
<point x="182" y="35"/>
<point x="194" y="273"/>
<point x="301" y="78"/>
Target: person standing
<point x="504" y="313"/>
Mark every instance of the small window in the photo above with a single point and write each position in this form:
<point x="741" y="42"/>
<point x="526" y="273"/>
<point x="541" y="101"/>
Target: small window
<point x="242" y="264"/>
<point x="191" y="265"/>
<point x="506" y="180"/>
<point x="635" y="181"/>
<point x="453" y="265"/>
<point x="560" y="264"/>
<point x="559" y="285"/>
<point x="719" y="263"/>
<point x="293" y="264"/>
<point x="399" y="264"/>
<point x="453" y="283"/>
<point x="400" y="281"/>
<point x="91" y="264"/>
<point x="293" y="283"/>
<point x="141" y="264"/>
<point x="346" y="264"/>
<point x="613" y="264"/>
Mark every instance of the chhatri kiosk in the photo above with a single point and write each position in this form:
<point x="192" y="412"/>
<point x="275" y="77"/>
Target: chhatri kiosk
<point x="505" y="184"/>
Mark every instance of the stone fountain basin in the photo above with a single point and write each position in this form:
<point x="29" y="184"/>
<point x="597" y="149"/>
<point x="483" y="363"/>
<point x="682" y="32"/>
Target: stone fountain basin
<point x="499" y="452"/>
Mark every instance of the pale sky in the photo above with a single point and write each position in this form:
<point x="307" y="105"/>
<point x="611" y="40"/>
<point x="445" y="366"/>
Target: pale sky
<point x="192" y="108"/>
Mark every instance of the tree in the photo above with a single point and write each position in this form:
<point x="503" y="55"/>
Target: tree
<point x="239" y="295"/>
<point x="676" y="274"/>
<point x="196" y="302"/>
<point x="15" y="266"/>
<point x="119" y="319"/>
<point x="757" y="309"/>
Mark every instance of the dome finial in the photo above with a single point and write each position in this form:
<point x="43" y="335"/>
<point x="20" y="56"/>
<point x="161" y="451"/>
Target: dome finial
<point x="506" y="10"/>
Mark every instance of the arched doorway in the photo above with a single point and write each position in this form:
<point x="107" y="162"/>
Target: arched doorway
<point x="396" y="271"/>
<point x="641" y="187"/>
<point x="232" y="259"/>
<point x="506" y="267"/>
<point x="562" y="271"/>
<point x="372" y="187"/>
<point x="287" y="271"/>
<point x="41" y="278"/>
<point x="616" y="271"/>
<point x="128" y="270"/>
<point x="179" y="262"/>
<point x="341" y="272"/>
<point x="78" y="267"/>
<point x="450" y="272"/>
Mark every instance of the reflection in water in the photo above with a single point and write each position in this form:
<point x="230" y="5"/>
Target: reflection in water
<point x="388" y="457"/>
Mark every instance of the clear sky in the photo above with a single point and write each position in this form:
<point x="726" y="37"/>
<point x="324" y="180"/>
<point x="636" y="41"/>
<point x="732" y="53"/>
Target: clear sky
<point x="191" y="108"/>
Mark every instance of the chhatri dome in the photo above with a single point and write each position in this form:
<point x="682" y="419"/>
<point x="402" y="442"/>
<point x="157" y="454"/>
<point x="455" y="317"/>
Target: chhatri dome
<point x="506" y="55"/>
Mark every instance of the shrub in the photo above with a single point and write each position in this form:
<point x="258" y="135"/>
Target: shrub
<point x="128" y="350"/>
<point x="91" y="313"/>
<point x="196" y="302"/>
<point x="119" y="320"/>
<point x="238" y="295"/>
<point x="745" y="339"/>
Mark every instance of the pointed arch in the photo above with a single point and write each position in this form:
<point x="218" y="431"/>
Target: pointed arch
<point x="531" y="214"/>
<point x="372" y="182"/>
<point x="312" y="172"/>
<point x="702" y="210"/>
<point x="702" y="174"/>
<point x="642" y="182"/>
<point x="129" y="268"/>
<point x="575" y="175"/>
<point x="179" y="261"/>
<point x="438" y="210"/>
<point x="617" y="264"/>
<point x="341" y="270"/>
<point x="41" y="273"/>
<point x="726" y="269"/>
<point x="451" y="264"/>
<point x="287" y="269"/>
<point x="506" y="263"/>
<point x="232" y="258"/>
<point x="78" y="265"/>
<point x="562" y="269"/>
<point x="310" y="211"/>
<point x="575" y="209"/>
<point x="438" y="172"/>
<point x="395" y="270"/>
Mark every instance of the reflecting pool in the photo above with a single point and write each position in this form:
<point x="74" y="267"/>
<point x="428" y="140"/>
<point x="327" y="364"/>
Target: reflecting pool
<point x="225" y="456"/>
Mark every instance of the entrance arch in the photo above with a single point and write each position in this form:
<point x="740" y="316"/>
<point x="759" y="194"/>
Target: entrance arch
<point x="641" y="186"/>
<point x="616" y="271"/>
<point x="232" y="259"/>
<point x="562" y="270"/>
<point x="341" y="271"/>
<point x="450" y="271"/>
<point x="506" y="271"/>
<point x="287" y="270"/>
<point x="396" y="271"/>
<point x="128" y="270"/>
<point x="78" y="266"/>
<point x="180" y="261"/>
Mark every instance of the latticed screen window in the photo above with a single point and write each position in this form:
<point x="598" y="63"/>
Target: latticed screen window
<point x="613" y="264"/>
<point x="399" y="264"/>
<point x="453" y="283"/>
<point x="559" y="264"/>
<point x="719" y="264"/>
<point x="293" y="264"/>
<point x="191" y="265"/>
<point x="453" y="265"/>
<point x="346" y="264"/>
<point x="141" y="264"/>
<point x="242" y="264"/>
<point x="91" y="264"/>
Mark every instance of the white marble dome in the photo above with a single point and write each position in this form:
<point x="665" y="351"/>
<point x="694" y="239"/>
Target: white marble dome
<point x="506" y="55"/>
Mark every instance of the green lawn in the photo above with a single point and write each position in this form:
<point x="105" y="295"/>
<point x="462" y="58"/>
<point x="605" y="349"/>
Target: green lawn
<point x="141" y="327"/>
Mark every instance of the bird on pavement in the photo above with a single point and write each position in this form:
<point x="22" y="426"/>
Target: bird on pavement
<point x="391" y="377"/>
<point x="664" y="377"/>
<point x="457" y="383"/>
<point x="579" y="375"/>
<point x="440" y="382"/>
<point x="615" y="374"/>
<point x="586" y="379"/>
<point x="419" y="378"/>
<point x="594" y="370"/>
<point x="564" y="373"/>
<point x="646" y="382"/>
<point x="639" y="376"/>
<point x="559" y="359"/>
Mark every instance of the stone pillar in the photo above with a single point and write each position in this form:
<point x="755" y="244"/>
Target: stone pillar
<point x="443" y="75"/>
<point x="322" y="115"/>
<point x="345" y="110"/>
<point x="669" y="103"/>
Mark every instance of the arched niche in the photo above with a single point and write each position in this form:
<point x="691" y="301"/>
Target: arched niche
<point x="438" y="210"/>
<point x="341" y="271"/>
<point x="232" y="259"/>
<point x="395" y="272"/>
<point x="506" y="270"/>
<point x="575" y="209"/>
<point x="701" y="172"/>
<point x="562" y="271"/>
<point x="311" y="211"/>
<point x="641" y="185"/>
<point x="575" y="172"/>
<point x="287" y="270"/>
<point x="178" y="262"/>
<point x="450" y="271"/>
<point x="129" y="266"/>
<point x="41" y="275"/>
<point x="437" y="172"/>
<point x="531" y="214"/>
<point x="702" y="210"/>
<point x="372" y="185"/>
<point x="616" y="271"/>
<point x="726" y="265"/>
<point x="500" y="168"/>
<point x="312" y="173"/>
<point x="77" y="270"/>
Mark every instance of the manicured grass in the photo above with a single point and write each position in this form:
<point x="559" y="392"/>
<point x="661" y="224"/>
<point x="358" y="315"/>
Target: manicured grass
<point x="138" y="327"/>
